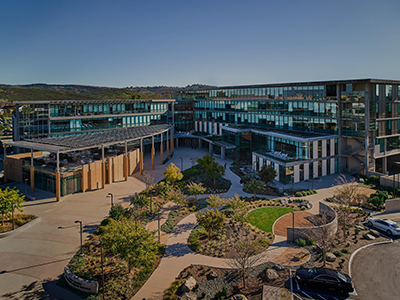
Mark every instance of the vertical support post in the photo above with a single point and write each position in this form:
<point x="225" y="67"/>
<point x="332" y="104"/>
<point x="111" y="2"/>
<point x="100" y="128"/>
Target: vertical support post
<point x="126" y="161"/>
<point x="161" y="149"/>
<point x="32" y="173"/>
<point x="172" y="141"/>
<point x="58" y="190"/>
<point x="103" y="169"/>
<point x="167" y="142"/>
<point x="5" y="162"/>
<point x="152" y="152"/>
<point x="141" y="156"/>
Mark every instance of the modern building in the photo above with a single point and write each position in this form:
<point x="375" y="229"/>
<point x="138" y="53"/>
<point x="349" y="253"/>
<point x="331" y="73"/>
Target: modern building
<point x="83" y="145"/>
<point x="304" y="129"/>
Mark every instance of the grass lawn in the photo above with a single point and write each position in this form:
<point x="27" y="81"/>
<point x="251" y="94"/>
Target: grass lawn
<point x="263" y="218"/>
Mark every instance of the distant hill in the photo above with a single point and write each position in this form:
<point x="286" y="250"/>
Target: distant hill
<point x="42" y="91"/>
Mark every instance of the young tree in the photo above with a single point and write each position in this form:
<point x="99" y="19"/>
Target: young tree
<point x="267" y="174"/>
<point x="253" y="186"/>
<point x="10" y="199"/>
<point x="132" y="242"/>
<point x="347" y="194"/>
<point x="239" y="208"/>
<point x="323" y="236"/>
<point x="214" y="170"/>
<point x="245" y="254"/>
<point x="172" y="173"/>
<point x="177" y="196"/>
<point x="212" y="221"/>
<point x="205" y="161"/>
<point x="117" y="212"/>
<point x="216" y="201"/>
<point x="141" y="200"/>
<point x="195" y="189"/>
<point x="149" y="181"/>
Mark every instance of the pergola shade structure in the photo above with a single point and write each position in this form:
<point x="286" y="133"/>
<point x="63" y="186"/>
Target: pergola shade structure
<point x="99" y="140"/>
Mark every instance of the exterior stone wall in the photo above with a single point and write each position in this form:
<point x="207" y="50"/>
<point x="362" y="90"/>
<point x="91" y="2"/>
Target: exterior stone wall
<point x="392" y="205"/>
<point x="305" y="232"/>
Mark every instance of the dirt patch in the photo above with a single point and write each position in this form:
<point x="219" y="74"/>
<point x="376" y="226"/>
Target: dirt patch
<point x="292" y="256"/>
<point x="285" y="221"/>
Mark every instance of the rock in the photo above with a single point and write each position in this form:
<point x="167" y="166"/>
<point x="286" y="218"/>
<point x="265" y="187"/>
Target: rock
<point x="360" y="227"/>
<point x="212" y="275"/>
<point x="188" y="296"/>
<point x="238" y="297"/>
<point x="374" y="233"/>
<point x="283" y="201"/>
<point x="278" y="267"/>
<point x="306" y="204"/>
<point x="362" y="180"/>
<point x="369" y="237"/>
<point x="330" y="257"/>
<point x="271" y="274"/>
<point x="188" y="285"/>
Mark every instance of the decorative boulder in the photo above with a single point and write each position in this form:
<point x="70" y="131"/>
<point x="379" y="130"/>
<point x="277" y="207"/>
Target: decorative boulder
<point x="189" y="284"/>
<point x="360" y="227"/>
<point x="278" y="267"/>
<point x="374" y="232"/>
<point x="188" y="296"/>
<point x="212" y="275"/>
<point x="330" y="257"/>
<point x="305" y="204"/>
<point x="283" y="201"/>
<point x="369" y="237"/>
<point x="238" y="297"/>
<point x="271" y="274"/>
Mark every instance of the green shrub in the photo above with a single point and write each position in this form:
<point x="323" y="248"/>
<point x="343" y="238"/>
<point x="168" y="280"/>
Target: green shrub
<point x="346" y="251"/>
<point x="264" y="242"/>
<point x="300" y="242"/>
<point x="221" y="294"/>
<point x="338" y="253"/>
<point x="299" y="194"/>
<point x="358" y="230"/>
<point x="105" y="222"/>
<point x="117" y="212"/>
<point x="310" y="241"/>
<point x="314" y="191"/>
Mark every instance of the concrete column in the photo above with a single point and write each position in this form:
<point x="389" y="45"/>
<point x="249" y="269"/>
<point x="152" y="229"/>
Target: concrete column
<point x="152" y="152"/>
<point x="384" y="165"/>
<point x="58" y="190"/>
<point x="141" y="157"/>
<point x="196" y="124"/>
<point x="306" y="171"/>
<point x="210" y="148"/>
<point x="222" y="152"/>
<point x="172" y="143"/>
<point x="103" y="169"/>
<point x="296" y="175"/>
<point x="315" y="169"/>
<point x="32" y="170"/>
<point x="324" y="150"/>
<point x="332" y="165"/>
<point x="167" y="144"/>
<point x="177" y="143"/>
<point x="161" y="150"/>
<point x="277" y="172"/>
<point x="324" y="167"/>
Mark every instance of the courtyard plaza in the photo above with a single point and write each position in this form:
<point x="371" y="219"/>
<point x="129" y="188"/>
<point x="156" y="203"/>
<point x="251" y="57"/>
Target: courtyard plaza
<point x="33" y="259"/>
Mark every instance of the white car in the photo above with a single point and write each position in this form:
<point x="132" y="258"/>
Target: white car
<point x="388" y="226"/>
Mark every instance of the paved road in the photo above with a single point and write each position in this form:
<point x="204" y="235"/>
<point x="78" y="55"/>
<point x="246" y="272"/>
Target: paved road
<point x="376" y="272"/>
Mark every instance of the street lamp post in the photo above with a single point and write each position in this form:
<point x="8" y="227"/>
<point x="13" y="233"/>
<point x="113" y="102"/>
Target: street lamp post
<point x="81" y="232"/>
<point x="112" y="199"/>
<point x="99" y="243"/>
<point x="25" y="187"/>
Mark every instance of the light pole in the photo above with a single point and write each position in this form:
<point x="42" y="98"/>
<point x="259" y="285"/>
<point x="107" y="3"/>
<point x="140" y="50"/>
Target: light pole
<point x="181" y="163"/>
<point x="99" y="243"/>
<point x="112" y="199"/>
<point x="80" y="231"/>
<point x="26" y="180"/>
<point x="293" y="185"/>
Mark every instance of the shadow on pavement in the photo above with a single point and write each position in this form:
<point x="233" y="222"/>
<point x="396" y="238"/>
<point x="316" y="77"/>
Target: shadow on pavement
<point x="180" y="228"/>
<point x="177" y="250"/>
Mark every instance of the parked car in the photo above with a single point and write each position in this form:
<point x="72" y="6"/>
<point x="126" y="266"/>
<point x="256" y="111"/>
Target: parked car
<point x="388" y="226"/>
<point x="324" y="278"/>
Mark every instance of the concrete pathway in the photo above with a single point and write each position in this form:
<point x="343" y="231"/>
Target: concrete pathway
<point x="164" y="212"/>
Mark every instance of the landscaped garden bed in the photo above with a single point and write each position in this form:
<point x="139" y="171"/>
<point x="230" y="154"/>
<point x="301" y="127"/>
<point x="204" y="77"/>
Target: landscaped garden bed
<point x="20" y="219"/>
<point x="265" y="217"/>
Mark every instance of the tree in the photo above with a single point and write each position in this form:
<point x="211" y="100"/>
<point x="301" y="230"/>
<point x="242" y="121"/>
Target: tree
<point x="347" y="194"/>
<point x="214" y="170"/>
<point x="10" y="199"/>
<point x="216" y="201"/>
<point x="148" y="180"/>
<point x="141" y="200"/>
<point x="212" y="221"/>
<point x="205" y="161"/>
<point x="239" y="208"/>
<point x="245" y="255"/>
<point x="322" y="235"/>
<point x="132" y="242"/>
<point x="177" y="196"/>
<point x="253" y="186"/>
<point x="267" y="174"/>
<point x="195" y="189"/>
<point x="172" y="173"/>
<point x="117" y="212"/>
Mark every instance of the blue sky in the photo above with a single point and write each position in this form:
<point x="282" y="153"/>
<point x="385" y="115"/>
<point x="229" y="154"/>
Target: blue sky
<point x="177" y="43"/>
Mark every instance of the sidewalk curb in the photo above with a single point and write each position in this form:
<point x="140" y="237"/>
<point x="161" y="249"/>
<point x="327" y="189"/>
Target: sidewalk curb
<point x="19" y="229"/>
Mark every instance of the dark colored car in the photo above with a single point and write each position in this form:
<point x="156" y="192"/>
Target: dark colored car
<point x="325" y="278"/>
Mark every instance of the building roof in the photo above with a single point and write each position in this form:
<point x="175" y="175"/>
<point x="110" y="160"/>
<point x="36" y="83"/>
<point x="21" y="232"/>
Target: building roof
<point x="91" y="140"/>
<point x="99" y="101"/>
